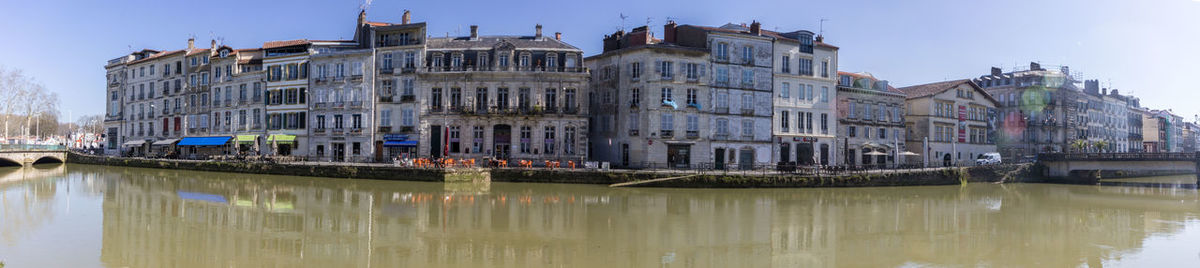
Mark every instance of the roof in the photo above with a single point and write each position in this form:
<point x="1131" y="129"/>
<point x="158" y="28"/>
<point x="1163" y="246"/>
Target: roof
<point x="195" y="51"/>
<point x="890" y="88"/>
<point x="489" y="42"/>
<point x="285" y="43"/>
<point x="155" y="56"/>
<point x="926" y="90"/>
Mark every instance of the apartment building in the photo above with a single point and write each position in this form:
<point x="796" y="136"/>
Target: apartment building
<point x="152" y="75"/>
<point x="341" y="106"/>
<point x="804" y="104"/>
<point x="950" y="122"/>
<point x="286" y="66"/>
<point x="115" y="114"/>
<point x="399" y="49"/>
<point x="741" y="61"/>
<point x="197" y="67"/>
<point x="871" y="121"/>
<point x="503" y="96"/>
<point x="653" y="105"/>
<point x="238" y="89"/>
<point x="1040" y="110"/>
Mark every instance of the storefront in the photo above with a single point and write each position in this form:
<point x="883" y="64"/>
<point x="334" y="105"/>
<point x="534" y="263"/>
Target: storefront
<point x="203" y="147"/>
<point x="399" y="146"/>
<point x="247" y="144"/>
<point x="282" y="143"/>
<point x="164" y="148"/>
<point x="134" y="148"/>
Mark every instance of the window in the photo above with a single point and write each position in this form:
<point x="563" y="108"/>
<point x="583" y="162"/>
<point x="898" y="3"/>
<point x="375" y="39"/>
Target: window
<point x="338" y="122"/>
<point x="691" y="97"/>
<point x="748" y="55"/>
<point x="805" y="67"/>
<point x="552" y="98"/>
<point x="824" y="123"/>
<point x="667" y="122"/>
<point x="633" y="122"/>
<point x="851" y="131"/>
<point x="635" y="70"/>
<point x="569" y="140"/>
<point x="785" y="64"/>
<point x="747" y="101"/>
<point x="548" y="141"/>
<point x="503" y="59"/>
<point x="748" y="77"/>
<point x="882" y="133"/>
<point x="693" y="123"/>
<point x="551" y="60"/>
<point x="693" y="71"/>
<point x="853" y="112"/>
<point x="747" y="127"/>
<point x="477" y="139"/>
<point x="666" y="95"/>
<point x="666" y="69"/>
<point x="410" y="60"/>
<point x="783" y="121"/>
<point x="406" y="117"/>
<point x="722" y="52"/>
<point x="524" y="60"/>
<point x="356" y="121"/>
<point x="526" y="137"/>
<point x="825" y="68"/>
<point x="407" y="87"/>
<point x="784" y="90"/>
<point x="722" y="126"/>
<point x="824" y="94"/>
<point x="387" y="62"/>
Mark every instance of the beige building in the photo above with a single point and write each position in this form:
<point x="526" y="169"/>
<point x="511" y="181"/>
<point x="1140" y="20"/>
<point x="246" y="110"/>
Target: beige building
<point x="952" y="121"/>
<point x="238" y="89"/>
<point x="870" y="121"/>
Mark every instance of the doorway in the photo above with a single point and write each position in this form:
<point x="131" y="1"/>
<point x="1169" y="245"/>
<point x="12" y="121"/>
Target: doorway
<point x="502" y="138"/>
<point x="804" y="152"/>
<point x="679" y="156"/>
<point x="785" y="153"/>
<point x="339" y="152"/>
<point x="435" y="141"/>
<point x="946" y="160"/>
<point x="824" y="154"/>
<point x="719" y="158"/>
<point x="746" y="159"/>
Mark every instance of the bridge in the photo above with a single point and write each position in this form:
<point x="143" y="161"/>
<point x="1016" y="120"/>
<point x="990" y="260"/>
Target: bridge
<point x="25" y="154"/>
<point x="1091" y="167"/>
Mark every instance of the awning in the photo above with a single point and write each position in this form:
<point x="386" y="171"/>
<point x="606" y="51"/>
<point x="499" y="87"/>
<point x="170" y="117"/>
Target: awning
<point x="400" y="144"/>
<point x="165" y="142"/>
<point x="281" y="139"/>
<point x="201" y="196"/>
<point x="247" y="139"/>
<point x="204" y="141"/>
<point x="133" y="143"/>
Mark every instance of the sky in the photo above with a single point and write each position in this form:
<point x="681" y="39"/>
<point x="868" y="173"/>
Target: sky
<point x="1145" y="47"/>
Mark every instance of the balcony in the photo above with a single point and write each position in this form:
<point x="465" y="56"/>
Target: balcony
<point x="721" y="136"/>
<point x="385" y="99"/>
<point x="435" y="109"/>
<point x="666" y="133"/>
<point x="339" y="105"/>
<point x="408" y="69"/>
<point x="356" y="104"/>
<point x="571" y="110"/>
<point x="406" y="129"/>
<point x="338" y="131"/>
<point x="320" y="80"/>
<point x="633" y="132"/>
<point x="356" y="131"/>
<point x="356" y="78"/>
<point x="721" y="110"/>
<point x="387" y="70"/>
<point x="385" y="129"/>
<point x="320" y="105"/>
<point x="408" y="98"/>
<point x="633" y="105"/>
<point x="692" y="134"/>
<point x="747" y="111"/>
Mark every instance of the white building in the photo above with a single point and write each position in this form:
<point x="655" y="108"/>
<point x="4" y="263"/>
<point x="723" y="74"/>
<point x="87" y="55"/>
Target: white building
<point x="804" y="101"/>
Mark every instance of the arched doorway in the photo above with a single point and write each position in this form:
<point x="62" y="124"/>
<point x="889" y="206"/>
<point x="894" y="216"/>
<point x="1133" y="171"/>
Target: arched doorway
<point x="502" y="141"/>
<point x="946" y="160"/>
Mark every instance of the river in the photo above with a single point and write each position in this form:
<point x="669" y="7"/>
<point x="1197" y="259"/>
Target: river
<point x="94" y="216"/>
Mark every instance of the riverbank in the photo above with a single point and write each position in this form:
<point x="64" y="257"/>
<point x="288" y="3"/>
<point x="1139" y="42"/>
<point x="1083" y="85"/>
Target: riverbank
<point x="940" y="176"/>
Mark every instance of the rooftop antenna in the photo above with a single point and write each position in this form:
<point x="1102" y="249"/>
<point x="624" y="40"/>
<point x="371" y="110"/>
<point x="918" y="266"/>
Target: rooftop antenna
<point x="623" y="17"/>
<point x="365" y="5"/>
<point x="821" y="25"/>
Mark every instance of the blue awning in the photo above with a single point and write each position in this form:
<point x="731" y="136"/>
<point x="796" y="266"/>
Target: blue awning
<point x="204" y="141"/>
<point x="400" y="144"/>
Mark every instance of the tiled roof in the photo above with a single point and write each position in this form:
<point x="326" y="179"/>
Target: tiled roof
<point x="823" y="44"/>
<point x="375" y="23"/>
<point x="155" y="56"/>
<point x="195" y="51"/>
<point x="488" y="42"/>
<point x="286" y="43"/>
<point x="920" y="91"/>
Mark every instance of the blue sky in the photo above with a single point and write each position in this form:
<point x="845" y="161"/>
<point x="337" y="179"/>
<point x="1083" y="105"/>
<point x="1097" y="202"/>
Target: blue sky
<point x="1145" y="47"/>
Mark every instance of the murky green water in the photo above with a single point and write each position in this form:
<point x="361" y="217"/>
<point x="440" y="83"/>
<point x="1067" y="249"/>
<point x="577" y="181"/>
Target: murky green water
<point x="91" y="216"/>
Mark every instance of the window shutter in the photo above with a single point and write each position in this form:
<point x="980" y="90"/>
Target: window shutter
<point x="657" y="66"/>
<point x="703" y="69"/>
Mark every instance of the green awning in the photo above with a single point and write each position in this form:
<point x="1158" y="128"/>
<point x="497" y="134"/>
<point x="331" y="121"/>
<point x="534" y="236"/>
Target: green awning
<point x="281" y="138"/>
<point x="247" y="139"/>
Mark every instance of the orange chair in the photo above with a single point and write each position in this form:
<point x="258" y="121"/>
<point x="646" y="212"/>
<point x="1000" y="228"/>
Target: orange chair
<point x="571" y="164"/>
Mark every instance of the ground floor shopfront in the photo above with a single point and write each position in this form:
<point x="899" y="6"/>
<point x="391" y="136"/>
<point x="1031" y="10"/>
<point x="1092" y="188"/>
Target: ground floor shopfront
<point x="550" y="138"/>
<point x="804" y="150"/>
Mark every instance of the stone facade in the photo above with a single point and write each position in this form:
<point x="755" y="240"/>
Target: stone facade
<point x="341" y="106"/>
<point x="239" y="107"/>
<point x="804" y="126"/>
<point x="870" y="121"/>
<point x="955" y="116"/>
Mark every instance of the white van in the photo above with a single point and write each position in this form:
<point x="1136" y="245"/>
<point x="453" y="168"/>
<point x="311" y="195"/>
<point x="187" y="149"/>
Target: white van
<point x="988" y="159"/>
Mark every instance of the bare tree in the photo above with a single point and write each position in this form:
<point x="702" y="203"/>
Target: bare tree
<point x="91" y="123"/>
<point x="13" y="90"/>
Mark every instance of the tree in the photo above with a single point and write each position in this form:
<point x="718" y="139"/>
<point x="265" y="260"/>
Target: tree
<point x="1079" y="145"/>
<point x="91" y="123"/>
<point x="1100" y="145"/>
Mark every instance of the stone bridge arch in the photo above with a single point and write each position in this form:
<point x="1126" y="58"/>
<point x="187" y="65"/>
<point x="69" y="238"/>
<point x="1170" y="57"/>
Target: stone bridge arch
<point x="6" y="162"/>
<point x="49" y="159"/>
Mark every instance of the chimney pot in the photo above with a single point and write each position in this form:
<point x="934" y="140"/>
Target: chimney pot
<point x="474" y="31"/>
<point x="558" y="36"/>
<point x="362" y="17"/>
<point x="539" y="31"/>
<point x="755" y="28"/>
<point x="669" y="32"/>
<point x="191" y="43"/>
<point x="214" y="44"/>
<point x="406" y="17"/>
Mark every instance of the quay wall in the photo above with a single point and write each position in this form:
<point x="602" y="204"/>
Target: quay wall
<point x="947" y="176"/>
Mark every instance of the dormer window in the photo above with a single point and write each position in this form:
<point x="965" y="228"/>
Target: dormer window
<point x="483" y="59"/>
<point x="524" y="60"/>
<point x="503" y="60"/>
<point x="224" y="53"/>
<point x="551" y="60"/>
<point x="845" y="80"/>
<point x="437" y="59"/>
<point x="456" y="60"/>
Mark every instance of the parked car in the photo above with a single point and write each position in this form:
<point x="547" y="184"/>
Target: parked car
<point x="988" y="159"/>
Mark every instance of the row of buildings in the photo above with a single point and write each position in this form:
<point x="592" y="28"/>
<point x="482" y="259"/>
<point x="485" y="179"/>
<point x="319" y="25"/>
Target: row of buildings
<point x="688" y="97"/>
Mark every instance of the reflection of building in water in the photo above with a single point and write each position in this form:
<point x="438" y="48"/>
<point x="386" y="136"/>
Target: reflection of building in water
<point x="155" y="218"/>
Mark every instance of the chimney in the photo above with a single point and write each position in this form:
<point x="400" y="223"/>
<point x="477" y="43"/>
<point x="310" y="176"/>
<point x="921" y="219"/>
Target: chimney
<point x="755" y="28"/>
<point x="191" y="43"/>
<point x="539" y="31"/>
<point x="1034" y="66"/>
<point x="1104" y="91"/>
<point x="362" y="17"/>
<point x="996" y="71"/>
<point x="669" y="32"/>
<point x="558" y="36"/>
<point x="820" y="38"/>
<point x="214" y="44"/>
<point x="406" y="17"/>
<point x="474" y="31"/>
